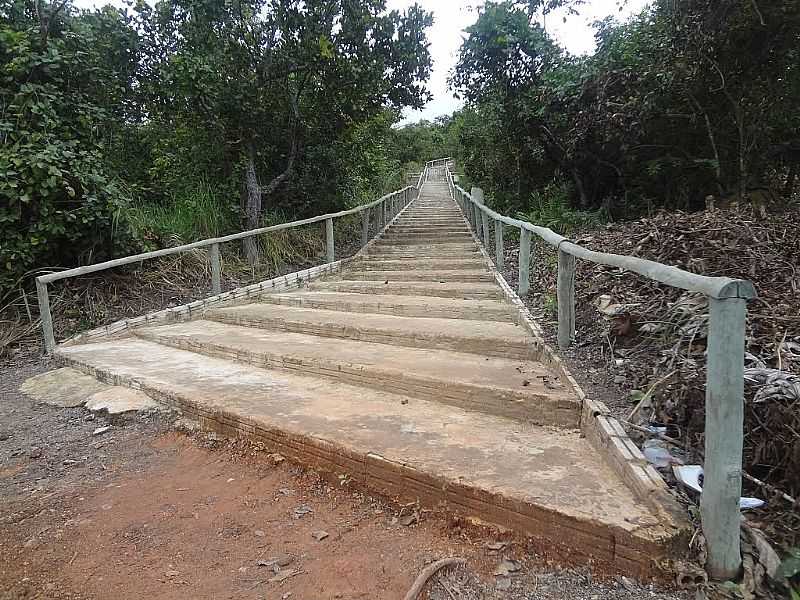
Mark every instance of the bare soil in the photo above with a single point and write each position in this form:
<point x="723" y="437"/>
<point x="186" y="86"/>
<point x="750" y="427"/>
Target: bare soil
<point x="143" y="510"/>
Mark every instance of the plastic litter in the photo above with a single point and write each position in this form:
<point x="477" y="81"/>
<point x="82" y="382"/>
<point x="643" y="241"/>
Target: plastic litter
<point x="690" y="475"/>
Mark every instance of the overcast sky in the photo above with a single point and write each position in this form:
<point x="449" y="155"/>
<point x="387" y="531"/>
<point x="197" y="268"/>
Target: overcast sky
<point x="453" y="16"/>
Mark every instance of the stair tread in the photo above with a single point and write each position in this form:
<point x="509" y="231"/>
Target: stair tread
<point x="455" y="286"/>
<point x="550" y="468"/>
<point x="522" y="377"/>
<point x="430" y="326"/>
<point x="380" y="303"/>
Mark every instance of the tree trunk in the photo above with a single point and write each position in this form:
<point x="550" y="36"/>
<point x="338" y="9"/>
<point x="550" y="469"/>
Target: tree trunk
<point x="583" y="201"/>
<point x="253" y="209"/>
<point x="788" y="190"/>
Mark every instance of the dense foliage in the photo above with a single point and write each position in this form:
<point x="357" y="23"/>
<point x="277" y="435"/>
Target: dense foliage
<point x="188" y="119"/>
<point x="693" y="98"/>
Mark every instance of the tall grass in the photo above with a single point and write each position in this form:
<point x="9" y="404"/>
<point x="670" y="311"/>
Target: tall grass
<point x="197" y="213"/>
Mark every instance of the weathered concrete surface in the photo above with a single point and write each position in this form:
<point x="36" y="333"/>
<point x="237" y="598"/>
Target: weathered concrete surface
<point x="433" y="264"/>
<point x="468" y="291"/>
<point x="545" y="482"/>
<point x="63" y="387"/>
<point x="521" y="389"/>
<point x="488" y="338"/>
<point x="440" y="275"/>
<point x="117" y="400"/>
<point x="408" y="306"/>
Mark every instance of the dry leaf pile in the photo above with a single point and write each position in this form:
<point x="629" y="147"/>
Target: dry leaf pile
<point x="653" y="337"/>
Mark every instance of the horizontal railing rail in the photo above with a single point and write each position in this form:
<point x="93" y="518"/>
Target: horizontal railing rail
<point x="727" y="302"/>
<point x="385" y="207"/>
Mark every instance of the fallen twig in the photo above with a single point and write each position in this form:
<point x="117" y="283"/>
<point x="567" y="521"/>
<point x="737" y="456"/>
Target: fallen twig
<point x="428" y="572"/>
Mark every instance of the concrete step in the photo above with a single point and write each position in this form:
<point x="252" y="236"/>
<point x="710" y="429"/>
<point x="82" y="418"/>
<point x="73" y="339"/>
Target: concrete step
<point x="549" y="485"/>
<point x="523" y="390"/>
<point x="487" y="338"/>
<point x="399" y="253"/>
<point x="467" y="291"/>
<point x="462" y="250"/>
<point x="415" y="273"/>
<point x="369" y="264"/>
<point x="405" y="306"/>
<point x="445" y="230"/>
<point x="461" y="235"/>
<point x="459" y="223"/>
<point x="462" y="241"/>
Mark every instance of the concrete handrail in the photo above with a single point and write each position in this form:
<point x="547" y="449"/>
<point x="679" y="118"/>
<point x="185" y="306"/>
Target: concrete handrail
<point x="389" y="205"/>
<point x="727" y="301"/>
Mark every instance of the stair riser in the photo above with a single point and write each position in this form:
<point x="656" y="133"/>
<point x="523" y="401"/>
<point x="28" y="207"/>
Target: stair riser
<point x="528" y="408"/>
<point x="497" y="347"/>
<point x="400" y="290"/>
<point x="500" y="313"/>
<point x="411" y="275"/>
<point x="562" y="534"/>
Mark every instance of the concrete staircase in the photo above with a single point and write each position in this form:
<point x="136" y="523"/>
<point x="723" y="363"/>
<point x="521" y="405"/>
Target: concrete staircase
<point x="409" y="375"/>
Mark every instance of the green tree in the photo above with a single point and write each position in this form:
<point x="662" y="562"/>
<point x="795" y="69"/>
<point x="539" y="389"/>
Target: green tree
<point x="58" y="204"/>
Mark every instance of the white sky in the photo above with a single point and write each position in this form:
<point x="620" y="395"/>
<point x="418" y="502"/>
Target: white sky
<point x="451" y="17"/>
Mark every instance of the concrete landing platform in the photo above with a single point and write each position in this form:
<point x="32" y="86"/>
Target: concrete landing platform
<point x="544" y="482"/>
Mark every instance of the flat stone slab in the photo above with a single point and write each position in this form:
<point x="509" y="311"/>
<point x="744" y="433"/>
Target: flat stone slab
<point x="65" y="387"/>
<point x="118" y="400"/>
<point x="550" y="484"/>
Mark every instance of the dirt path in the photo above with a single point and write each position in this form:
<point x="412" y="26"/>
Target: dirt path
<point x="143" y="511"/>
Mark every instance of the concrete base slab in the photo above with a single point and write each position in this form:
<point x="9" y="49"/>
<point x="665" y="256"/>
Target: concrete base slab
<point x="546" y="483"/>
<point x="65" y="387"/>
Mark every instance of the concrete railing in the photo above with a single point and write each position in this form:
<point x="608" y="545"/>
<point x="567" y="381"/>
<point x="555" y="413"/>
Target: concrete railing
<point x="384" y="209"/>
<point x="727" y="301"/>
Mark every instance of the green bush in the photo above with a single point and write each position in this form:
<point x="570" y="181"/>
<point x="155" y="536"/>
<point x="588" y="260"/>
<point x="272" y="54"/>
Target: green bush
<point x="57" y="205"/>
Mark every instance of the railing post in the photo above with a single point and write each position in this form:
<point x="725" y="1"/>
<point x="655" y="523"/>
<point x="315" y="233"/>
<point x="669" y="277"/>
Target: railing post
<point x="499" y="250"/>
<point x="485" y="223"/>
<point x="216" y="270"/>
<point x="477" y="196"/>
<point x="330" y="252"/>
<point x="46" y="317"/>
<point x="364" y="227"/>
<point x="524" y="284"/>
<point x="722" y="486"/>
<point x="566" y="298"/>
